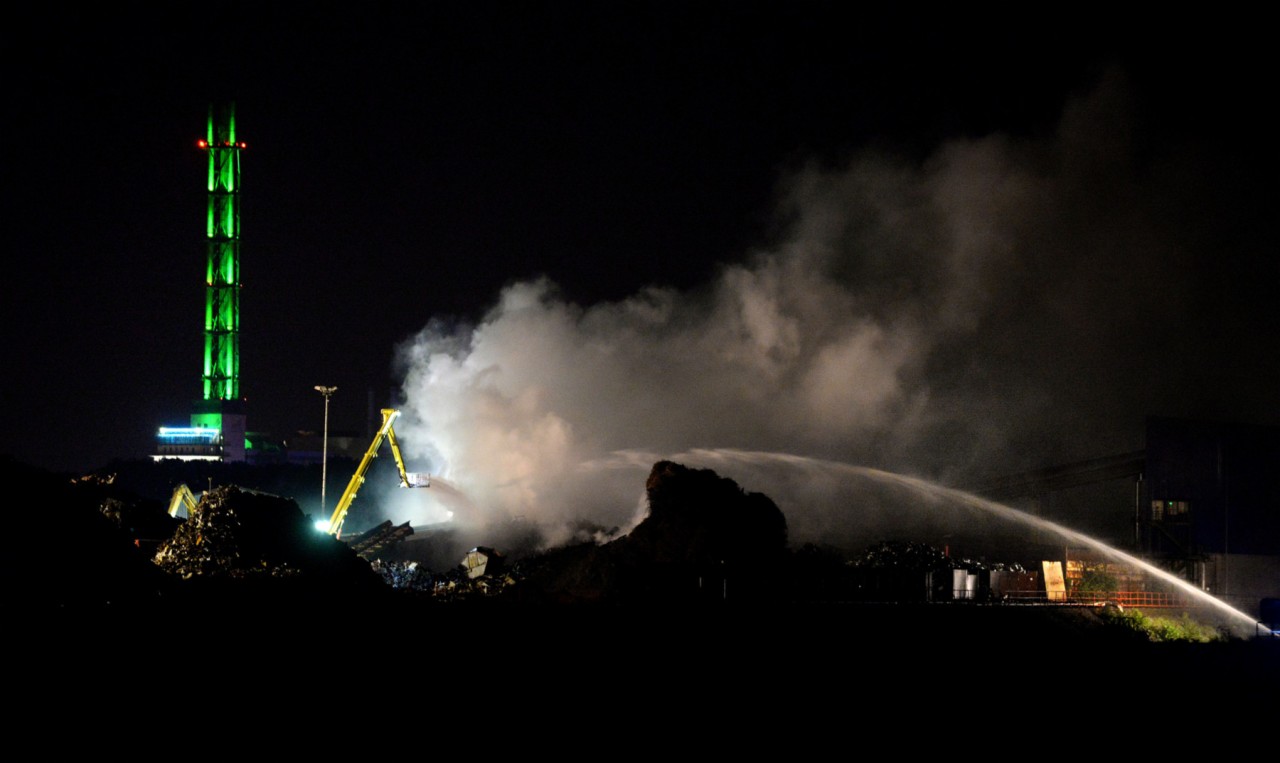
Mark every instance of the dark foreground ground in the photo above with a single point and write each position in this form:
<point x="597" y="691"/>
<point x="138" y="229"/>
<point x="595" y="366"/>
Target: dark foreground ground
<point x="390" y="679"/>
<point x="762" y="653"/>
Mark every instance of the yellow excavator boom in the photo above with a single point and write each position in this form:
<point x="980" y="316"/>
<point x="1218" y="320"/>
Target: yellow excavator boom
<point x="182" y="496"/>
<point x="407" y="479"/>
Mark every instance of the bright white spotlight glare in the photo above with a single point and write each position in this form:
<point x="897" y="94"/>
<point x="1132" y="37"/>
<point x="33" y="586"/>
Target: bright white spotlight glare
<point x="322" y="525"/>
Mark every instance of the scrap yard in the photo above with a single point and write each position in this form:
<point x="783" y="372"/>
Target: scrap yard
<point x="678" y="363"/>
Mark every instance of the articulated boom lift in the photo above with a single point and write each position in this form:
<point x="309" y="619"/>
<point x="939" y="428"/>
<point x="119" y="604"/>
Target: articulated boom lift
<point x="407" y="479"/>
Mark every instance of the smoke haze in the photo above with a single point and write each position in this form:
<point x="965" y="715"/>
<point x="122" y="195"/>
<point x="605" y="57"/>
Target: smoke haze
<point x="1006" y="303"/>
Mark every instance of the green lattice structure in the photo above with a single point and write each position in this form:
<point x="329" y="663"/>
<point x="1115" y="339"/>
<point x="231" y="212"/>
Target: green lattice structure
<point x="217" y="430"/>
<point x="222" y="273"/>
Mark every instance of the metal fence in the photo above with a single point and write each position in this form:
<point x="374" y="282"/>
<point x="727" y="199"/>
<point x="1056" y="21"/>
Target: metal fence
<point x="1148" y="599"/>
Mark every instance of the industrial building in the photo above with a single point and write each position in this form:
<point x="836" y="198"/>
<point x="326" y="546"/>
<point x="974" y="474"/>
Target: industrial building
<point x="1210" y="505"/>
<point x="1204" y="499"/>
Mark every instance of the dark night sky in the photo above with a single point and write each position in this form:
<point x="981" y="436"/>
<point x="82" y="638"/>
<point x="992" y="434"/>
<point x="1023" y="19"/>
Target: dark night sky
<point x="406" y="167"/>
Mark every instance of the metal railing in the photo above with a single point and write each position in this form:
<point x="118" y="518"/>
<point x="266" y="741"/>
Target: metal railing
<point x="1148" y="599"/>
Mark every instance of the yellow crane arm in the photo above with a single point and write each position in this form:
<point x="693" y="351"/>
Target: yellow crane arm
<point x="407" y="479"/>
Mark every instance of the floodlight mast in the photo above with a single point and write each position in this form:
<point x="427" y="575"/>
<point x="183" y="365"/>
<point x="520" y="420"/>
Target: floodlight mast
<point x="324" y="457"/>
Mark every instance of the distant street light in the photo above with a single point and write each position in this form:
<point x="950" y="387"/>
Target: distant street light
<point x="324" y="458"/>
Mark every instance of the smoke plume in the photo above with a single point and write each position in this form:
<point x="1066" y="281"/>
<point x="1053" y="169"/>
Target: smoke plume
<point x="1001" y="304"/>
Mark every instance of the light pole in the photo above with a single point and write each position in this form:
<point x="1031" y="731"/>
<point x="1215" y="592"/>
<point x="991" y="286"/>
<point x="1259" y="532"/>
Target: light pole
<point x="324" y="458"/>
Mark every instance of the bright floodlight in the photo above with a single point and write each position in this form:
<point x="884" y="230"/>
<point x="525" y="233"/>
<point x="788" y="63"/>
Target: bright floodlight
<point x="322" y="525"/>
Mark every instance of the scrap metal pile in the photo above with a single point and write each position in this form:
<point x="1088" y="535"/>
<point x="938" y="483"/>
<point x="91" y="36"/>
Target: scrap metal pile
<point x="404" y="576"/>
<point x="240" y="534"/>
<point x="227" y="535"/>
<point x="910" y="555"/>
<point x="467" y="580"/>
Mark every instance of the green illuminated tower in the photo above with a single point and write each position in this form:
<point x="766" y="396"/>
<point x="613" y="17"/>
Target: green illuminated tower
<point x="222" y="271"/>
<point x="220" y="406"/>
<point x="217" y="430"/>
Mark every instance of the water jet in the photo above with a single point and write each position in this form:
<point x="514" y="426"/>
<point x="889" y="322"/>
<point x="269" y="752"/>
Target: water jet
<point x="817" y="475"/>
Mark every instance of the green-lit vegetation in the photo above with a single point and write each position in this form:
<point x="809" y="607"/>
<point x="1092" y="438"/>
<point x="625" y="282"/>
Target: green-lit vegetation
<point x="1181" y="628"/>
<point x="1097" y="578"/>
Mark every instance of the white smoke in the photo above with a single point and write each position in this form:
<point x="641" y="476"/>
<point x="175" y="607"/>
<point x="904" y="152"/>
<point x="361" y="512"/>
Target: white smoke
<point x="921" y="315"/>
<point x="776" y="355"/>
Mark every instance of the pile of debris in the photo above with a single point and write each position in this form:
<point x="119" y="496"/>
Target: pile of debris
<point x="404" y="576"/>
<point x="456" y="585"/>
<point x="903" y="555"/>
<point x="482" y="573"/>
<point x="238" y="534"/>
<point x="216" y="541"/>
<point x="704" y="539"/>
<point x="909" y="555"/>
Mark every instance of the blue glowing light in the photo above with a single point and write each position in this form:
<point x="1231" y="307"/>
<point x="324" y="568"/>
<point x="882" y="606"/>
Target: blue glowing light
<point x="189" y="434"/>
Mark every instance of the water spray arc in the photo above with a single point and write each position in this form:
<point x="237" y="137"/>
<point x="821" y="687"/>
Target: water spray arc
<point x="725" y="458"/>
<point x="1244" y="623"/>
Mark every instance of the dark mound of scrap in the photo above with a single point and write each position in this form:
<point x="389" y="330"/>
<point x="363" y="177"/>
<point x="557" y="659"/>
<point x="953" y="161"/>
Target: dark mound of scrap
<point x="241" y="535"/>
<point x="705" y="539"/>
<point x="77" y="543"/>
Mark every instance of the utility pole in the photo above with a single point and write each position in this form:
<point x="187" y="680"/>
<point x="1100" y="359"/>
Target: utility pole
<point x="324" y="458"/>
